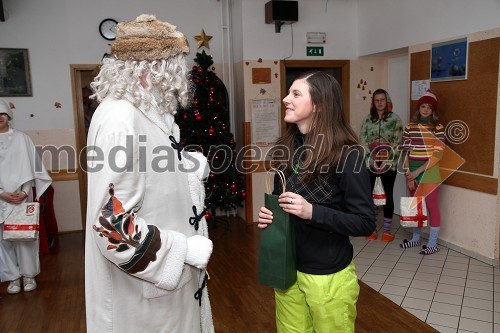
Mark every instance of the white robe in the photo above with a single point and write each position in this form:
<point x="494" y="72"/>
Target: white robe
<point x="20" y="165"/>
<point x="156" y="295"/>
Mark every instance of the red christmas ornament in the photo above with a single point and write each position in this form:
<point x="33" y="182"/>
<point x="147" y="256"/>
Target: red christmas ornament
<point x="243" y="194"/>
<point x="195" y="102"/>
<point x="197" y="117"/>
<point x="185" y="116"/>
<point x="224" y="127"/>
<point x="208" y="216"/>
<point x="200" y="70"/>
<point x="211" y="130"/>
<point x="233" y="186"/>
<point x="211" y="175"/>
<point x="194" y="68"/>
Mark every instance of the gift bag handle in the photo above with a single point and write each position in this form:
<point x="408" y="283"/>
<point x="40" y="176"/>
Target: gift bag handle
<point x="282" y="178"/>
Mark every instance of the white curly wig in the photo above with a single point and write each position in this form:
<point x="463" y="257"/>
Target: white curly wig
<point x="167" y="80"/>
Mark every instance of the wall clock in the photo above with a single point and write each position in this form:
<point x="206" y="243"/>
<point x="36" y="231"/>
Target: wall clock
<point x="107" y="29"/>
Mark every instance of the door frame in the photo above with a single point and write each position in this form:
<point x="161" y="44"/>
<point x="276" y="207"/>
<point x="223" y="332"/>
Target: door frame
<point x="76" y="71"/>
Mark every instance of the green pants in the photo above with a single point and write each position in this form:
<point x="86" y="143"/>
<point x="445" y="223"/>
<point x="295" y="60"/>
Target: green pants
<point x="319" y="303"/>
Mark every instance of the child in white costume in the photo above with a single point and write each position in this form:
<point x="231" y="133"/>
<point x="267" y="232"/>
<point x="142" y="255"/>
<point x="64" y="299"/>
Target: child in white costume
<point x="147" y="244"/>
<point x="21" y="169"/>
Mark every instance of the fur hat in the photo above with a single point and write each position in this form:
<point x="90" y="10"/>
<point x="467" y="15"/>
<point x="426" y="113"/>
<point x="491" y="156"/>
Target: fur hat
<point x="147" y="38"/>
<point x="4" y="108"/>
<point x="428" y="98"/>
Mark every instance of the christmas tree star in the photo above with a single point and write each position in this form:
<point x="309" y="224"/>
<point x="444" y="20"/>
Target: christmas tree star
<point x="203" y="39"/>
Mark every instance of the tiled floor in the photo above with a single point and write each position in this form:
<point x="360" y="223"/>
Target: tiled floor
<point x="448" y="290"/>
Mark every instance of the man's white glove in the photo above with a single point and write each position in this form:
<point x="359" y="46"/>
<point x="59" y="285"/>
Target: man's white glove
<point x="199" y="249"/>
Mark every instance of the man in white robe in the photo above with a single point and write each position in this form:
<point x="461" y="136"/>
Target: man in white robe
<point x="147" y="244"/>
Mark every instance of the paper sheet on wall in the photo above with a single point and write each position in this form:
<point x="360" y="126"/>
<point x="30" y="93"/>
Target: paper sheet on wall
<point x="418" y="88"/>
<point x="265" y="121"/>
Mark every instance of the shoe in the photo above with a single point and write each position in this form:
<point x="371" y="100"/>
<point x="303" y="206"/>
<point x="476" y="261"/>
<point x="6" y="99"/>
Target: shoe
<point x="14" y="286"/>
<point x="372" y="236"/>
<point x="429" y="250"/>
<point x="29" y="283"/>
<point x="387" y="237"/>
<point x="408" y="243"/>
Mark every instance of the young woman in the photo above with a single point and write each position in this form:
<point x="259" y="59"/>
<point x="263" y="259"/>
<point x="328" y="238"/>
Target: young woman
<point x="381" y="134"/>
<point x="329" y="199"/>
<point x="425" y="137"/>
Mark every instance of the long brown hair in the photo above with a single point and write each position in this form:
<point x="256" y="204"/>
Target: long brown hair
<point x="328" y="123"/>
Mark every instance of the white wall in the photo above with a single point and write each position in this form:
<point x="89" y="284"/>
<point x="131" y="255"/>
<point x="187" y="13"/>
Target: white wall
<point x="68" y="212"/>
<point x="237" y="29"/>
<point x="392" y="24"/>
<point x="63" y="32"/>
<point x="468" y="221"/>
<point x="337" y="18"/>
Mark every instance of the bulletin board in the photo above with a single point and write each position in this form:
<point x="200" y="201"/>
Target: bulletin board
<point x="472" y="101"/>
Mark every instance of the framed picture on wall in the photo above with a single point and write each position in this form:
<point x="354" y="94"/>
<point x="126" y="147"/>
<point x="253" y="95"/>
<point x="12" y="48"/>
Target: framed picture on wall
<point x="15" y="78"/>
<point x="449" y="60"/>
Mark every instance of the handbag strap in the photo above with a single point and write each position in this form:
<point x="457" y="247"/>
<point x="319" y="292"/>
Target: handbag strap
<point x="282" y="178"/>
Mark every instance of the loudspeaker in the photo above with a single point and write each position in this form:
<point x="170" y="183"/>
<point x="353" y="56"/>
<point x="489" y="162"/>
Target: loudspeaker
<point x="282" y="12"/>
<point x="2" y="15"/>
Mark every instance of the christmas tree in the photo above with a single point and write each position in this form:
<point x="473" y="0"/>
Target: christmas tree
<point x="204" y="127"/>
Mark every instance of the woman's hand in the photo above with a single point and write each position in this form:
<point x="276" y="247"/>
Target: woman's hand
<point x="13" y="198"/>
<point x="412" y="185"/>
<point x="295" y="204"/>
<point x="265" y="218"/>
<point x="411" y="175"/>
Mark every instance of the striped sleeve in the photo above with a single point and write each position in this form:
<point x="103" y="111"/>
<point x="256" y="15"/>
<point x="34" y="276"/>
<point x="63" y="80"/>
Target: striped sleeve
<point x="425" y="141"/>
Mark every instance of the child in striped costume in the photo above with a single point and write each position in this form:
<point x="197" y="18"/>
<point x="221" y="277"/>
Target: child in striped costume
<point x="425" y="138"/>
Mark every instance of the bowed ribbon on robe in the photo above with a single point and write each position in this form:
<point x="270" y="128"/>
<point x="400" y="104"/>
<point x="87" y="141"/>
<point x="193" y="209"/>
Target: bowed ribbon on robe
<point x="177" y="146"/>
<point x="199" y="293"/>
<point x="195" y="221"/>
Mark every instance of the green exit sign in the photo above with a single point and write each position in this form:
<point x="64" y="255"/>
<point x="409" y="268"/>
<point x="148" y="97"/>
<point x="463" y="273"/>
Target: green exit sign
<point x="315" y="51"/>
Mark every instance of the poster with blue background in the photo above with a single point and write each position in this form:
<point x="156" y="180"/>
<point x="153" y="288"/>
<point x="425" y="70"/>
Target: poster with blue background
<point x="449" y="60"/>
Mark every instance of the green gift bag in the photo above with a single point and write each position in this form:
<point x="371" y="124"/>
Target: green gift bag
<point x="277" y="267"/>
